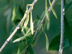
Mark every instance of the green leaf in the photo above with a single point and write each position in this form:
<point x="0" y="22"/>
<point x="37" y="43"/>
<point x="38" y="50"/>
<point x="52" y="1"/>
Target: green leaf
<point x="68" y="23"/>
<point x="53" y="9"/>
<point x="30" y="51"/>
<point x="14" y="14"/>
<point x="42" y="15"/>
<point x="21" y="38"/>
<point x="48" y="25"/>
<point x="27" y="28"/>
<point x="46" y="12"/>
<point x="47" y="15"/>
<point x="54" y="45"/>
<point x="67" y="6"/>
<point x="29" y="39"/>
<point x="15" y="17"/>
<point x="24" y="17"/>
<point x="31" y="23"/>
<point x="66" y="44"/>
<point x="27" y="19"/>
<point x="68" y="1"/>
<point x="47" y="42"/>
<point x="22" y="47"/>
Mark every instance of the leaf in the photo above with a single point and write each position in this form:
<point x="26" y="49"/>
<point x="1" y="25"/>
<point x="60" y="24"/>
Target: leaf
<point x="22" y="21"/>
<point x="48" y="25"/>
<point x="68" y="23"/>
<point x="14" y="14"/>
<point x="21" y="38"/>
<point x="27" y="19"/>
<point x="47" y="15"/>
<point x="31" y="23"/>
<point x="47" y="42"/>
<point x="42" y="15"/>
<point x="53" y="9"/>
<point x="15" y="17"/>
<point x="66" y="44"/>
<point x="67" y="6"/>
<point x="46" y="12"/>
<point x="27" y="28"/>
<point x="29" y="39"/>
<point x="22" y="47"/>
<point x="30" y="51"/>
<point x="54" y="45"/>
<point x="68" y="1"/>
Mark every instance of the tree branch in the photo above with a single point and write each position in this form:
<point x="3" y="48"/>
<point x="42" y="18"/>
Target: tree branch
<point x="18" y="27"/>
<point x="49" y="10"/>
<point x="62" y="27"/>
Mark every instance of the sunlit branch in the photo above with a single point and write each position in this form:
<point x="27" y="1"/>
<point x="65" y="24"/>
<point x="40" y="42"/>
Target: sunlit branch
<point x="18" y="27"/>
<point x="62" y="27"/>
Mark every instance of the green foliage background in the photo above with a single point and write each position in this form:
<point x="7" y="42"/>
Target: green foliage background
<point x="6" y="27"/>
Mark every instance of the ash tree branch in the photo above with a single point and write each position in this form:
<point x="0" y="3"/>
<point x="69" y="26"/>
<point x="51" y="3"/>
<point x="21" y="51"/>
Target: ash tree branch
<point x="62" y="27"/>
<point x="18" y="27"/>
<point x="49" y="10"/>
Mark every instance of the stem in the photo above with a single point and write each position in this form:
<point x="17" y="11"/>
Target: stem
<point x="62" y="27"/>
<point x="27" y="49"/>
<point x="49" y="10"/>
<point x="18" y="27"/>
<point x="23" y="4"/>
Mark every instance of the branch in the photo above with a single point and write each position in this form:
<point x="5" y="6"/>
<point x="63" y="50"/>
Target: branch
<point x="49" y="10"/>
<point x="18" y="27"/>
<point x="27" y="49"/>
<point x="62" y="27"/>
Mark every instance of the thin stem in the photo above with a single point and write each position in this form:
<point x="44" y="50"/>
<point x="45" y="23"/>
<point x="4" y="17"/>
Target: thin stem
<point x="23" y="4"/>
<point x="18" y="27"/>
<point x="62" y="27"/>
<point x="49" y="10"/>
<point x="27" y="49"/>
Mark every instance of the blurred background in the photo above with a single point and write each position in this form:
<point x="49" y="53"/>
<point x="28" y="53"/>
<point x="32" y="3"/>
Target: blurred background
<point x="6" y="26"/>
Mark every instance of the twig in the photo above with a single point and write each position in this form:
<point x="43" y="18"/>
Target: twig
<point x="23" y="4"/>
<point x="27" y="49"/>
<point x="18" y="27"/>
<point x="62" y="27"/>
<point x="49" y="10"/>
